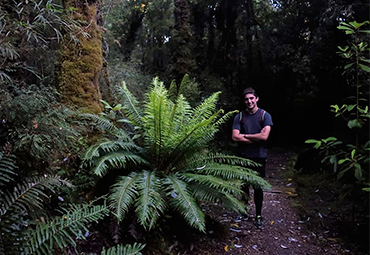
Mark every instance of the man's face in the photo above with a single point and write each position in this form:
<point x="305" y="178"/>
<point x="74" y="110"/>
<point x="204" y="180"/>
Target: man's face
<point x="250" y="101"/>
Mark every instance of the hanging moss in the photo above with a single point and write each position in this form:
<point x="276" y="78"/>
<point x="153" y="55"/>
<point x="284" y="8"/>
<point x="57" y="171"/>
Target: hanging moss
<point x="81" y="63"/>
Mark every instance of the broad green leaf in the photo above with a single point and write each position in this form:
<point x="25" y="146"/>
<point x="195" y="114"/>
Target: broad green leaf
<point x="336" y="107"/>
<point x="349" y="65"/>
<point x="333" y="159"/>
<point x="356" y="25"/>
<point x="364" y="59"/>
<point x="311" y="141"/>
<point x="106" y="105"/>
<point x="354" y="123"/>
<point x="353" y="153"/>
<point x="350" y="107"/>
<point x="365" y="68"/>
<point x="358" y="172"/>
<point x="343" y="27"/>
<point x="343" y="49"/>
<point x="317" y="145"/>
<point x="329" y="139"/>
<point x="343" y="160"/>
<point x="117" y="107"/>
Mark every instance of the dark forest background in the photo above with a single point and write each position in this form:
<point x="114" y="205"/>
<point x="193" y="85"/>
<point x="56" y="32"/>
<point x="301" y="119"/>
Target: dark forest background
<point x="61" y="59"/>
<point x="286" y="50"/>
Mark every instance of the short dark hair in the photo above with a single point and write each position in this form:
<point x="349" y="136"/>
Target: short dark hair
<point x="249" y="91"/>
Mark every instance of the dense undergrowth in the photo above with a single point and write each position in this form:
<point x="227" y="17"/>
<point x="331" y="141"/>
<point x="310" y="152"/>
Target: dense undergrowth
<point x="332" y="210"/>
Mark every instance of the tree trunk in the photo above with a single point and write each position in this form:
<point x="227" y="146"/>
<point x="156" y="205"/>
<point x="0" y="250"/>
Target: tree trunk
<point x="81" y="61"/>
<point x="183" y="60"/>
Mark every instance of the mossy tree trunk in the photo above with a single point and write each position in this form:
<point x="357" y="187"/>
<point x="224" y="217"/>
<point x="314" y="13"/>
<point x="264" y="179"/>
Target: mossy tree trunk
<point x="81" y="62"/>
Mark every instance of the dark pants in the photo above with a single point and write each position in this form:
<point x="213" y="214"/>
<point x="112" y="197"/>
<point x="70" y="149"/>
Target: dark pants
<point x="258" y="193"/>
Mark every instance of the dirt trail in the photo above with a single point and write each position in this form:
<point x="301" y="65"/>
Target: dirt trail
<point x="283" y="233"/>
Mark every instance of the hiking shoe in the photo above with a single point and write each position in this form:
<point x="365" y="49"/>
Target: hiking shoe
<point x="240" y="218"/>
<point x="258" y="221"/>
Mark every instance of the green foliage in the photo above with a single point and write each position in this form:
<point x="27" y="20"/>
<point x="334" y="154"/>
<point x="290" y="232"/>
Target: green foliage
<point x="39" y="128"/>
<point x="28" y="40"/>
<point x="61" y="231"/>
<point x="164" y="164"/>
<point x="26" y="228"/>
<point x="124" y="250"/>
<point x="354" y="157"/>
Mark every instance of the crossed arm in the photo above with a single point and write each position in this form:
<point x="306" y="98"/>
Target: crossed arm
<point x="251" y="138"/>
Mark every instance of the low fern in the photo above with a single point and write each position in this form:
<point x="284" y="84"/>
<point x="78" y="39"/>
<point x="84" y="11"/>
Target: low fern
<point x="22" y="232"/>
<point x="124" y="250"/>
<point x="61" y="231"/>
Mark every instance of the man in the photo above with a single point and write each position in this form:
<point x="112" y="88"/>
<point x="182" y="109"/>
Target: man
<point x="251" y="128"/>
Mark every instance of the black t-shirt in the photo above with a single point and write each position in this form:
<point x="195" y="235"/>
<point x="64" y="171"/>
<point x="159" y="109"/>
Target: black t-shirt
<point x="252" y="124"/>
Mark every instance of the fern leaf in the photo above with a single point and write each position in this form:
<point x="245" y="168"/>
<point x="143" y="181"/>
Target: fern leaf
<point x="204" y="193"/>
<point x="28" y="194"/>
<point x="216" y="183"/>
<point x="124" y="249"/>
<point x="150" y="204"/>
<point x="106" y="146"/>
<point x="123" y="194"/>
<point x="116" y="160"/>
<point x="7" y="167"/>
<point x="183" y="202"/>
<point x="61" y="231"/>
<point x="130" y="105"/>
<point x="231" y="202"/>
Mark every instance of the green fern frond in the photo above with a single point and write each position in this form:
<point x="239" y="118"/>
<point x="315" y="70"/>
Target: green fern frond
<point x="200" y="161"/>
<point x="231" y="202"/>
<point x="223" y="185"/>
<point x="226" y="117"/>
<point x="183" y="202"/>
<point x="124" y="249"/>
<point x="105" y="146"/>
<point x="29" y="194"/>
<point x="116" y="160"/>
<point x="173" y="91"/>
<point x="123" y="194"/>
<point x="61" y="231"/>
<point x="131" y="106"/>
<point x="225" y="171"/>
<point x="150" y="204"/>
<point x="230" y="160"/>
<point x="158" y="119"/>
<point x="204" y="193"/>
<point x="206" y="109"/>
<point x="7" y="167"/>
<point x="13" y="238"/>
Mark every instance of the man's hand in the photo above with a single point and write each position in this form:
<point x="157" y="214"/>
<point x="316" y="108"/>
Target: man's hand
<point x="237" y="137"/>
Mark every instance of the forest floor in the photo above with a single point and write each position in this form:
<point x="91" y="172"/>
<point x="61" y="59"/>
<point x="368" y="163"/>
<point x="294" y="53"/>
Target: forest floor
<point x="300" y="217"/>
<point x="284" y="232"/>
